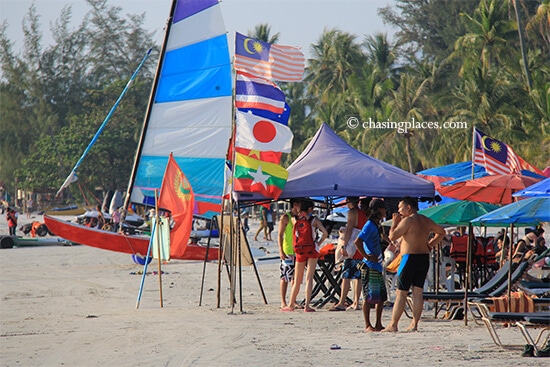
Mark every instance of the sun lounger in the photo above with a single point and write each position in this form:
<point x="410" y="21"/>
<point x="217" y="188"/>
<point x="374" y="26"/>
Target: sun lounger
<point x="500" y="277"/>
<point x="524" y="321"/>
<point x="452" y="302"/>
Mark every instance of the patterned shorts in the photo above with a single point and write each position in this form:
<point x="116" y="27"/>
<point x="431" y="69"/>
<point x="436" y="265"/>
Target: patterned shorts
<point x="374" y="286"/>
<point x="287" y="268"/>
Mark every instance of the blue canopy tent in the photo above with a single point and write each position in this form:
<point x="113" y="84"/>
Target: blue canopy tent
<point x="541" y="188"/>
<point x="329" y="166"/>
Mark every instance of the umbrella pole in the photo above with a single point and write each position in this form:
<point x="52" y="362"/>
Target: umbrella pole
<point x="511" y="268"/>
<point x="468" y="272"/>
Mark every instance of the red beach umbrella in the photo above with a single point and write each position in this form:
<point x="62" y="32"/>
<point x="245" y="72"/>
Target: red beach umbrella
<point x="495" y="189"/>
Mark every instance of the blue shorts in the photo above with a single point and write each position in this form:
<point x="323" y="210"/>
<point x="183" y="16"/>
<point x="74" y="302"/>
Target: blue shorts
<point x="350" y="269"/>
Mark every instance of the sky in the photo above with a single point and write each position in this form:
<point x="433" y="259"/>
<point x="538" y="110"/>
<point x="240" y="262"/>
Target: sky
<point x="299" y="22"/>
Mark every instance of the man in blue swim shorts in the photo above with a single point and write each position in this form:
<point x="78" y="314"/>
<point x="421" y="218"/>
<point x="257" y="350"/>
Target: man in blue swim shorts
<point x="414" y="230"/>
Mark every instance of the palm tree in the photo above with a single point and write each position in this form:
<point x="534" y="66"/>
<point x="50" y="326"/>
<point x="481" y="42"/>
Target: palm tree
<point x="407" y="104"/>
<point x="336" y="56"/>
<point x="522" y="45"/>
<point x="262" y="32"/>
<point x="489" y="31"/>
<point x="539" y="24"/>
<point x="381" y="53"/>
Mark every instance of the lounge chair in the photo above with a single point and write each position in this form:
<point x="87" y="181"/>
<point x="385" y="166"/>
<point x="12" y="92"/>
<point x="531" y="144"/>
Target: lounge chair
<point x="452" y="302"/>
<point x="524" y="321"/>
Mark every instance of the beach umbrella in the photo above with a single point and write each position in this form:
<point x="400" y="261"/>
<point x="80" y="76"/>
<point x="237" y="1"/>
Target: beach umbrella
<point x="439" y="175"/>
<point x="526" y="212"/>
<point x="496" y="189"/>
<point x="521" y="213"/>
<point x="484" y="174"/>
<point x="541" y="188"/>
<point x="458" y="213"/>
<point x="452" y="170"/>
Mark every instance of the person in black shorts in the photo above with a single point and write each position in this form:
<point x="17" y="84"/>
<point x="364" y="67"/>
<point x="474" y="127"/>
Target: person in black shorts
<point x="414" y="230"/>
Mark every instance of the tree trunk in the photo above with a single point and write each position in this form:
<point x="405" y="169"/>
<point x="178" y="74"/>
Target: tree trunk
<point x="522" y="46"/>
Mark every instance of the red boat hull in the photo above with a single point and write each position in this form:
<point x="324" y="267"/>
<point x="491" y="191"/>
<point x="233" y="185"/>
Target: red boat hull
<point x="118" y="242"/>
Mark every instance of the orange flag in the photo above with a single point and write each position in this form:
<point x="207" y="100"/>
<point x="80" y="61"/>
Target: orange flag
<point x="177" y="196"/>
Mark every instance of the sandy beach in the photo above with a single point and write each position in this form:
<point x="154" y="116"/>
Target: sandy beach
<point x="76" y="306"/>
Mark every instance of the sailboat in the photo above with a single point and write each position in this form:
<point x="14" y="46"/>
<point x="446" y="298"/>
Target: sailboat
<point x="189" y="115"/>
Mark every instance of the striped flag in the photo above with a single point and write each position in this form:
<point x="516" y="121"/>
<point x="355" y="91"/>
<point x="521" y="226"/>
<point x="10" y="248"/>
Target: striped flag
<point x="497" y="157"/>
<point x="269" y="61"/>
<point x="252" y="175"/>
<point x="252" y="92"/>
<point x="257" y="133"/>
<point x="280" y="118"/>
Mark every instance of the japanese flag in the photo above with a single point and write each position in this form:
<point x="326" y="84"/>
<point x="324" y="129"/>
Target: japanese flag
<point x="258" y="133"/>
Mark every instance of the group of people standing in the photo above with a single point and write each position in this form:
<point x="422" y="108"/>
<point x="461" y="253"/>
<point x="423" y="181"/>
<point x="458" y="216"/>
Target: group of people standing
<point x="363" y="263"/>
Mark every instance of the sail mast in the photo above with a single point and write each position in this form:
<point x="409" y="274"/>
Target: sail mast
<point x="149" y="107"/>
<point x="72" y="176"/>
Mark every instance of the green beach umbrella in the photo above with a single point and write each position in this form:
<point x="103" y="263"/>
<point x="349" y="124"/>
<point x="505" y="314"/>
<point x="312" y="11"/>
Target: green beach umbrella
<point x="458" y="213"/>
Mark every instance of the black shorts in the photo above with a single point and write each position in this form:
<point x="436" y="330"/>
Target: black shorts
<point x="412" y="271"/>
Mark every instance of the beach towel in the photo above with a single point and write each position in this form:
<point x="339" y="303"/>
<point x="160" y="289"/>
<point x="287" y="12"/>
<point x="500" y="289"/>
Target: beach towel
<point x="394" y="265"/>
<point x="520" y="302"/>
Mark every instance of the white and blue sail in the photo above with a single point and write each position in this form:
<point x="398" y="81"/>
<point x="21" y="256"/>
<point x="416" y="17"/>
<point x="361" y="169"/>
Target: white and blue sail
<point x="190" y="113"/>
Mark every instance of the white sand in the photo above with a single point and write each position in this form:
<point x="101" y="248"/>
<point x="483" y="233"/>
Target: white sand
<point x="75" y="306"/>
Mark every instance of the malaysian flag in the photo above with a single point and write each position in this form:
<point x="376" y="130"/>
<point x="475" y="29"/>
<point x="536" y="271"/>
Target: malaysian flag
<point x="274" y="62"/>
<point x="252" y="92"/>
<point x="497" y="157"/>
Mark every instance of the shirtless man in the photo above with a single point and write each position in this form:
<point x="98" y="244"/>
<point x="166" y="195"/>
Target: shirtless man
<point x="414" y="230"/>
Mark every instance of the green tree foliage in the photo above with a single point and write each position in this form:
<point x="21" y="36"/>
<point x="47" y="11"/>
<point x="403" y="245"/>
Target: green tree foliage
<point x="449" y="61"/>
<point x="54" y="98"/>
<point x="428" y="26"/>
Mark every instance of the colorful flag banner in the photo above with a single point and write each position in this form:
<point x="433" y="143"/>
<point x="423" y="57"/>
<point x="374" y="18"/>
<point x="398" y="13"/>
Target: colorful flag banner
<point x="257" y="133"/>
<point x="269" y="61"/>
<point x="252" y="175"/>
<point x="258" y="93"/>
<point x="281" y="118"/>
<point x="176" y="195"/>
<point x="265" y="156"/>
<point x="497" y="157"/>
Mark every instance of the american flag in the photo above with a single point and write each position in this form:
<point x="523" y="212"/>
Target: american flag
<point x="269" y="61"/>
<point x="497" y="157"/>
<point x="252" y="92"/>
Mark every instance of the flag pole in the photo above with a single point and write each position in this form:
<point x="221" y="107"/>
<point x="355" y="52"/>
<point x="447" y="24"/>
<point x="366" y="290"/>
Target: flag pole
<point x="473" y="151"/>
<point x="153" y="230"/>
<point x="159" y="253"/>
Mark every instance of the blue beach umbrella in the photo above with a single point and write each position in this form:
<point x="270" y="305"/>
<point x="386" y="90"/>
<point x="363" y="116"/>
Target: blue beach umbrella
<point x="541" y="188"/>
<point x="528" y="212"/>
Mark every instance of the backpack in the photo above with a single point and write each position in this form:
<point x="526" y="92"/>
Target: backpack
<point x="303" y="241"/>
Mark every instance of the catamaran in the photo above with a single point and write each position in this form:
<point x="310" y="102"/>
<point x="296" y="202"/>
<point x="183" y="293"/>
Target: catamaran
<point x="188" y="115"/>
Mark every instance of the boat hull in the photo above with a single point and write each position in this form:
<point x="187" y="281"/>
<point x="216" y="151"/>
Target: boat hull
<point x="130" y="244"/>
<point x="66" y="211"/>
